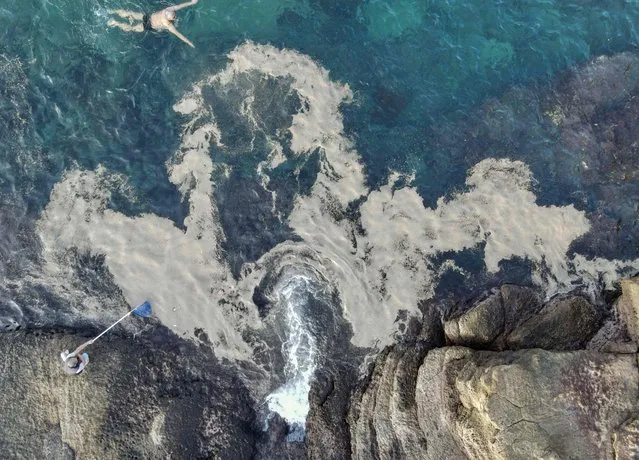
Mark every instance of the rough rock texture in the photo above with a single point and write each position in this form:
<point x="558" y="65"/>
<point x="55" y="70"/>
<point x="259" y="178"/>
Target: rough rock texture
<point x="489" y="323"/>
<point x="273" y="444"/>
<point x="382" y="418"/>
<point x="480" y="326"/>
<point x="564" y="324"/>
<point x="335" y="396"/>
<point x="514" y="318"/>
<point x="383" y="423"/>
<point x="328" y="437"/>
<point x="514" y="401"/>
<point x="524" y="404"/>
<point x="490" y="405"/>
<point x="625" y="441"/>
<point x="628" y="307"/>
<point x="153" y="396"/>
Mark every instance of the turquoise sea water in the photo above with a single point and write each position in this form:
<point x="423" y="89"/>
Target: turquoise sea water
<point x="99" y="95"/>
<point x="75" y="94"/>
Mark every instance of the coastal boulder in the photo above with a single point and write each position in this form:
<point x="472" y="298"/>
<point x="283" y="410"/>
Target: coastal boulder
<point x="628" y="307"/>
<point x="469" y="404"/>
<point x="478" y="327"/>
<point x="564" y="324"/>
<point x="514" y="318"/>
<point x="488" y="323"/>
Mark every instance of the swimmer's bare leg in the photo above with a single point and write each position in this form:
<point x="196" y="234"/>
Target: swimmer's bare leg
<point x="126" y="27"/>
<point x="127" y="14"/>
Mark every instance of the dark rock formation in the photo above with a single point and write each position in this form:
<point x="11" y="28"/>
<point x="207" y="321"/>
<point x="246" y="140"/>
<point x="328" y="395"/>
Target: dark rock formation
<point x="328" y="436"/>
<point x="336" y="401"/>
<point x="565" y="324"/>
<point x="153" y="396"/>
<point x="488" y="323"/>
<point x="273" y="443"/>
<point x="514" y="318"/>
<point x="580" y="134"/>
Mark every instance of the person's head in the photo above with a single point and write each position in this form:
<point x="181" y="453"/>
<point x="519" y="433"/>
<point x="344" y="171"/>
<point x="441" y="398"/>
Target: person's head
<point x="170" y="15"/>
<point x="73" y="362"/>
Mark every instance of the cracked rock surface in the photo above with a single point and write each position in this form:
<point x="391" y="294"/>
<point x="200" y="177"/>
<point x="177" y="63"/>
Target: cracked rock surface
<point x="556" y="381"/>
<point x="524" y="404"/>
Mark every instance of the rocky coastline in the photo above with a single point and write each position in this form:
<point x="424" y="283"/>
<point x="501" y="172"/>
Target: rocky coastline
<point x="505" y="375"/>
<point x="511" y="377"/>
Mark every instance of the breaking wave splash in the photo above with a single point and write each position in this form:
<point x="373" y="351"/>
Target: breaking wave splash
<point x="300" y="351"/>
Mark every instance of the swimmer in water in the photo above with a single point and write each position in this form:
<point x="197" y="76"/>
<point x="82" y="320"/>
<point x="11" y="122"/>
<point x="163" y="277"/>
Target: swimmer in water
<point x="160" y="20"/>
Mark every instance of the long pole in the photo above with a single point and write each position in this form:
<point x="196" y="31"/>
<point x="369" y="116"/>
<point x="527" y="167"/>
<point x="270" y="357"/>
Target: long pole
<point x="107" y="329"/>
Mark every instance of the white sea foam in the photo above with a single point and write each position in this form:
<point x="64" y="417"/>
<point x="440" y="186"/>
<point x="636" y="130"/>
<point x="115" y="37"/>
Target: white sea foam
<point x="180" y="272"/>
<point x="498" y="209"/>
<point x="597" y="272"/>
<point x="299" y="349"/>
<point x="388" y="268"/>
<point x="319" y="124"/>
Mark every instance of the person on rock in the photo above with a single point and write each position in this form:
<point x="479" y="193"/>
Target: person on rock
<point x="160" y="20"/>
<point x="74" y="363"/>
